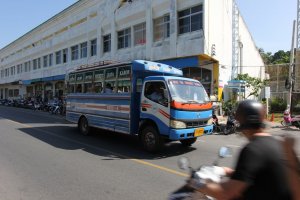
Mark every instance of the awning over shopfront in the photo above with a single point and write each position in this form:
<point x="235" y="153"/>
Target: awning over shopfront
<point x="19" y="82"/>
<point x="45" y="79"/>
<point x="54" y="78"/>
<point x="26" y="82"/>
<point x="182" y="62"/>
<point x="36" y="80"/>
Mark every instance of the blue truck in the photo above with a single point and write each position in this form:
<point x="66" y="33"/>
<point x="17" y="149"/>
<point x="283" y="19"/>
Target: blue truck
<point x="144" y="98"/>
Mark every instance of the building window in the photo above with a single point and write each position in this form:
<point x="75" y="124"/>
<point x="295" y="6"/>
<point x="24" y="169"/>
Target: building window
<point x="45" y="61"/>
<point x="74" y="52"/>
<point x="39" y="63"/>
<point x="34" y="64"/>
<point x="6" y="72"/>
<point x="65" y="55"/>
<point x="161" y="28"/>
<point x="58" y="57"/>
<point x="124" y="38"/>
<point x="19" y="69"/>
<point x="93" y="47"/>
<point x="27" y="66"/>
<point x="107" y="43"/>
<point x="50" y="59"/>
<point x="140" y="34"/>
<point x="12" y="70"/>
<point x="190" y="19"/>
<point x="83" y="50"/>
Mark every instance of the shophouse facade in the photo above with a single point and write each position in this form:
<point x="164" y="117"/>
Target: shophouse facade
<point x="208" y="39"/>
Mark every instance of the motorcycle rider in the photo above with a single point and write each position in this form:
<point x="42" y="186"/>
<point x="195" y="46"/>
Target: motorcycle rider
<point x="260" y="169"/>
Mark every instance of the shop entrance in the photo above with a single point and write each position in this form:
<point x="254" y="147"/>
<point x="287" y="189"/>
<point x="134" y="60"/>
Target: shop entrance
<point x="59" y="90"/>
<point x="48" y="92"/>
<point x="201" y="74"/>
<point x="29" y="91"/>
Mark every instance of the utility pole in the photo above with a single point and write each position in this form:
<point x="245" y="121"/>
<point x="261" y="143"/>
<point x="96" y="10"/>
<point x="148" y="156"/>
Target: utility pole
<point x="235" y="40"/>
<point x="291" y="67"/>
<point x="298" y="25"/>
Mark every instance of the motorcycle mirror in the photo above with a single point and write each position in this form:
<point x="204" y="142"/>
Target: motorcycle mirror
<point x="183" y="163"/>
<point x="225" y="152"/>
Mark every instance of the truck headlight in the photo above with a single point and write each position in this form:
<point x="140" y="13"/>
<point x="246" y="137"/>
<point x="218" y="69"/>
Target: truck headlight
<point x="210" y="121"/>
<point x="177" y="124"/>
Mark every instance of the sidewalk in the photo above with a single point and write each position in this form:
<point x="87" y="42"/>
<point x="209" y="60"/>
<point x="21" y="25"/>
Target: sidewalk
<point x="223" y="120"/>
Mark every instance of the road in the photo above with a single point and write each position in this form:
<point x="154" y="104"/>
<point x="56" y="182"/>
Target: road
<point x="44" y="157"/>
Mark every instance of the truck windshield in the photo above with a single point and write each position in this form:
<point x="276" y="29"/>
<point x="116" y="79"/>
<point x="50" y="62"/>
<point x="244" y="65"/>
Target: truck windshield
<point x="185" y="91"/>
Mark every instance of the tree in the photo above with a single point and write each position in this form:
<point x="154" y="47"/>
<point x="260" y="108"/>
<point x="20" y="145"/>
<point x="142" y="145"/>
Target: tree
<point x="280" y="57"/>
<point x="267" y="57"/>
<point x="253" y="84"/>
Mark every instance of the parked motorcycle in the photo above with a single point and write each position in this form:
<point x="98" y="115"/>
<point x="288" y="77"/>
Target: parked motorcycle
<point x="231" y="125"/>
<point x="200" y="176"/>
<point x="288" y="120"/>
<point x="57" y="108"/>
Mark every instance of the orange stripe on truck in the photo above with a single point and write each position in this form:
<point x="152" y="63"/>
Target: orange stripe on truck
<point x="191" y="106"/>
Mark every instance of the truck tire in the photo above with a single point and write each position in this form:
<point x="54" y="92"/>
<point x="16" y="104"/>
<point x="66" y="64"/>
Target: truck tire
<point x="83" y="126"/>
<point x="188" y="142"/>
<point x="151" y="140"/>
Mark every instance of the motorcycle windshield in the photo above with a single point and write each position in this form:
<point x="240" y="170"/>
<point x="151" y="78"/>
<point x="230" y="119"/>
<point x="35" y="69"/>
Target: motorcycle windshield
<point x="185" y="91"/>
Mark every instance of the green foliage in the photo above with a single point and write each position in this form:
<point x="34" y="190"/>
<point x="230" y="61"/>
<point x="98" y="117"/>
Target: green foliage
<point x="277" y="105"/>
<point x="280" y="57"/>
<point x="253" y="84"/>
<point x="229" y="106"/>
<point x="267" y="57"/>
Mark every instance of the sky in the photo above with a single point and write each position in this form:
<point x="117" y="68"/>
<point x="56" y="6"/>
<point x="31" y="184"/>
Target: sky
<point x="17" y="17"/>
<point x="270" y="22"/>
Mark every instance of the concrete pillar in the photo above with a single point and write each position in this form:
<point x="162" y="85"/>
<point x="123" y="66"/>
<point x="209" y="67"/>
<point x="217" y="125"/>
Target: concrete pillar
<point x="173" y="28"/>
<point x="149" y="30"/>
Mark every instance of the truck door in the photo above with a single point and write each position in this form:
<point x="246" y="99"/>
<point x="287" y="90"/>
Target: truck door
<point x="155" y="106"/>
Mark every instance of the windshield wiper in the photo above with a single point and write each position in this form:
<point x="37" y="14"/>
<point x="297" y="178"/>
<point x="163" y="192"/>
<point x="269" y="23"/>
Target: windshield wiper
<point x="192" y="101"/>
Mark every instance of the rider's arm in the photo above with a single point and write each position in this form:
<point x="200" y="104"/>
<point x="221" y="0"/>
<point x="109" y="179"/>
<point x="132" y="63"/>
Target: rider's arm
<point x="243" y="175"/>
<point x="228" y="171"/>
<point x="228" y="190"/>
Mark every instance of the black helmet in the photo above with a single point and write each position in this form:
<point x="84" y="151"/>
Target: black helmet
<point x="250" y="114"/>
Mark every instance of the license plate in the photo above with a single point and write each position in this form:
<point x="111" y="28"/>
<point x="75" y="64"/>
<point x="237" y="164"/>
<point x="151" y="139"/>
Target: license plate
<point x="198" y="132"/>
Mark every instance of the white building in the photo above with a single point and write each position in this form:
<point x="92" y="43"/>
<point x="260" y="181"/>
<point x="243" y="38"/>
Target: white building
<point x="207" y="38"/>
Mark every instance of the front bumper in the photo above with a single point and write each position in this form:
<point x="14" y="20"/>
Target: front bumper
<point x="180" y="134"/>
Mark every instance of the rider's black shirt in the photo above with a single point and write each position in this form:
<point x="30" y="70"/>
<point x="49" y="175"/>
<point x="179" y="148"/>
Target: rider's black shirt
<point x="261" y="166"/>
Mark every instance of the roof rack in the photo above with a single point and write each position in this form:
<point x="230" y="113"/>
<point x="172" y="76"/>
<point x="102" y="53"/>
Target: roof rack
<point x="97" y="64"/>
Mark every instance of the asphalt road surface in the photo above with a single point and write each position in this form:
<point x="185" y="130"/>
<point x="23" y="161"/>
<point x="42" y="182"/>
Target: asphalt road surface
<point x="44" y="157"/>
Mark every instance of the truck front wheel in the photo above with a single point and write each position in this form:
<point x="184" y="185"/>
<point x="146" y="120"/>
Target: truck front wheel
<point x="188" y="142"/>
<point x="150" y="139"/>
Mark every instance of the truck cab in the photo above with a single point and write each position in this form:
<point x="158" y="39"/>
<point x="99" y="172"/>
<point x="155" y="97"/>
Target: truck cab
<point x="173" y="108"/>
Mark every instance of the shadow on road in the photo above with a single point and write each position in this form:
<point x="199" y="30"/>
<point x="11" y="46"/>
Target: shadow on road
<point x="103" y="143"/>
<point x="27" y="116"/>
<point x="290" y="129"/>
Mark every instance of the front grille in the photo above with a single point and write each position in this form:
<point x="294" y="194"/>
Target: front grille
<point x="194" y="124"/>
